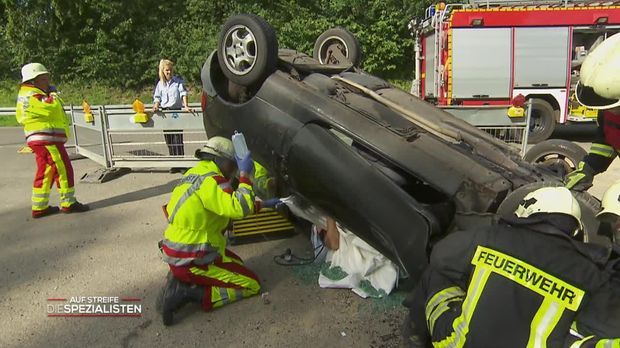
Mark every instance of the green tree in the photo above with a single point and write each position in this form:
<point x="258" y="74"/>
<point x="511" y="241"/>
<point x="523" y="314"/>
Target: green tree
<point x="119" y="43"/>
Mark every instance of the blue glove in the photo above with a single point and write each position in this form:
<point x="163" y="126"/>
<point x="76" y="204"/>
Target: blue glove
<point x="271" y="203"/>
<point x="246" y="164"/>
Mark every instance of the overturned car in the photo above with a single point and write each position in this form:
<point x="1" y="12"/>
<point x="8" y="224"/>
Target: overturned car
<point x="395" y="170"/>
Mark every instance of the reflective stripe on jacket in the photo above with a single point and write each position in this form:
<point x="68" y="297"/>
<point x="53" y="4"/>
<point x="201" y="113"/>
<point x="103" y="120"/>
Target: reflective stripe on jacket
<point x="518" y="285"/>
<point x="42" y="115"/>
<point x="199" y="210"/>
<point x="606" y="142"/>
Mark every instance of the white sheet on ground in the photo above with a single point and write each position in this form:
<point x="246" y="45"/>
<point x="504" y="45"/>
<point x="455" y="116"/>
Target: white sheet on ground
<point x="355" y="265"/>
<point x="358" y="266"/>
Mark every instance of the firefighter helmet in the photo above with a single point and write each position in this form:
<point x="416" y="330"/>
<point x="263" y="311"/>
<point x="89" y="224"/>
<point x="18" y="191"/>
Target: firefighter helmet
<point x="219" y="147"/>
<point x="599" y="84"/>
<point x="550" y="200"/>
<point x="610" y="203"/>
<point x="32" y="70"/>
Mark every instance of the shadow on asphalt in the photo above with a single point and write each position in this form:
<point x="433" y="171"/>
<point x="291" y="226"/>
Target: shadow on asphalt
<point x="128" y="332"/>
<point x="134" y="196"/>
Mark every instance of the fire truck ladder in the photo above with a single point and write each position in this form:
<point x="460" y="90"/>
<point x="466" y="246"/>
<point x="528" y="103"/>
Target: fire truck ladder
<point x="495" y="3"/>
<point x="439" y="19"/>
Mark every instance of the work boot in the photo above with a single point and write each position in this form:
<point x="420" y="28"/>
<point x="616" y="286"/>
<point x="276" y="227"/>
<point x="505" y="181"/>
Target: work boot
<point x="176" y="295"/>
<point x="45" y="212"/>
<point x="76" y="207"/>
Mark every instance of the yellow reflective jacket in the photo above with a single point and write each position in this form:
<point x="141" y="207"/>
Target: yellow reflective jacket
<point x="42" y="115"/>
<point x="262" y="181"/>
<point x="199" y="210"/>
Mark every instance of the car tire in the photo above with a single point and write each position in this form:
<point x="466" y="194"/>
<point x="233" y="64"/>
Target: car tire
<point x="542" y="121"/>
<point x="337" y="46"/>
<point x="589" y="205"/>
<point x="559" y="156"/>
<point x="247" y="49"/>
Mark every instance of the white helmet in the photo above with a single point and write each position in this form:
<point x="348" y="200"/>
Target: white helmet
<point x="610" y="203"/>
<point x="550" y="200"/>
<point x="32" y="70"/>
<point x="599" y="84"/>
<point x="220" y="147"/>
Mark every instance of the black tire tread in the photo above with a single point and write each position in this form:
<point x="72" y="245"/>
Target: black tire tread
<point x="564" y="147"/>
<point x="271" y="56"/>
<point x="535" y="138"/>
<point x="561" y="147"/>
<point x="355" y="49"/>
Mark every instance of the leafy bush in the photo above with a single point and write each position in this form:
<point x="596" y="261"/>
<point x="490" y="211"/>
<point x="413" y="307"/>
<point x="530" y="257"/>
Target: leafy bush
<point x="119" y="43"/>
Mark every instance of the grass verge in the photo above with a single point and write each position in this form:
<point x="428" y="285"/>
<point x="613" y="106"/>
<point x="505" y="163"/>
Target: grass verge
<point x="8" y="121"/>
<point x="93" y="93"/>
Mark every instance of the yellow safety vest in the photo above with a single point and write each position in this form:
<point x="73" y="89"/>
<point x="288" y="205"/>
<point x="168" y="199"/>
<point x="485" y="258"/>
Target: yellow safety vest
<point x="261" y="181"/>
<point x="199" y="210"/>
<point x="42" y="115"/>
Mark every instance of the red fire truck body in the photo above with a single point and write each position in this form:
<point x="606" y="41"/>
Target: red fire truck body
<point x="485" y="53"/>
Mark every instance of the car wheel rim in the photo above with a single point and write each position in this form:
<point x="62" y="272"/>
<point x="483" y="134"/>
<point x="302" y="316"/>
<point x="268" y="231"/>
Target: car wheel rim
<point x="333" y="50"/>
<point x="536" y="122"/>
<point x="239" y="50"/>
<point x="557" y="163"/>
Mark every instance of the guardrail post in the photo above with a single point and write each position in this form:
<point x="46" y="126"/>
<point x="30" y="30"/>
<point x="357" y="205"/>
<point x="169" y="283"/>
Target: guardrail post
<point x="74" y="127"/>
<point x="105" y="138"/>
<point x="528" y="116"/>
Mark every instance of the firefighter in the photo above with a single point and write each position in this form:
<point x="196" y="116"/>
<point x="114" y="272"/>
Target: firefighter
<point x="593" y="321"/>
<point x="264" y="185"/>
<point x="599" y="88"/>
<point x="521" y="282"/>
<point x="40" y="111"/>
<point x="194" y="246"/>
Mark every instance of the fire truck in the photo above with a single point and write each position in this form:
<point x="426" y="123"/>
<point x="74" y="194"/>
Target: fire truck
<point x="487" y="52"/>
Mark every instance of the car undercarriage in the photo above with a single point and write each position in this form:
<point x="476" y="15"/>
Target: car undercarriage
<point x="397" y="171"/>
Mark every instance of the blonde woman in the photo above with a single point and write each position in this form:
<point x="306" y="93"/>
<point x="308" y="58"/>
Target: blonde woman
<point x="171" y="94"/>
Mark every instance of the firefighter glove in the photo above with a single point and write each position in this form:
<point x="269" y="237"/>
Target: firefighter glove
<point x="271" y="203"/>
<point x="245" y="164"/>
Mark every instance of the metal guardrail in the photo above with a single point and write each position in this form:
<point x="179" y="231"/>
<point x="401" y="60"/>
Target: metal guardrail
<point x="168" y="139"/>
<point x="115" y="141"/>
<point x="10" y="111"/>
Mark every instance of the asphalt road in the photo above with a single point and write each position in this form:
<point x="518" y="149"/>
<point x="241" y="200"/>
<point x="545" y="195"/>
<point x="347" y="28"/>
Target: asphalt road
<point x="112" y="251"/>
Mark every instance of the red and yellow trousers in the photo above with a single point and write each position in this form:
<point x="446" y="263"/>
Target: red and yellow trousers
<point x="53" y="165"/>
<point x="224" y="282"/>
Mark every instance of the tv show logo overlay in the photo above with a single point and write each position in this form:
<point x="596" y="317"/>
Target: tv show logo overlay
<point x="94" y="306"/>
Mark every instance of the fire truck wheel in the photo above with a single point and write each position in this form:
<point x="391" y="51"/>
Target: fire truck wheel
<point x="247" y="49"/>
<point x="337" y="46"/>
<point x="559" y="156"/>
<point x="542" y="122"/>
<point x="589" y="205"/>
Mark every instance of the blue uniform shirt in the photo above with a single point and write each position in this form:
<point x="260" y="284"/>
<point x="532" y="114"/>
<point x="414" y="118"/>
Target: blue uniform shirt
<point x="170" y="94"/>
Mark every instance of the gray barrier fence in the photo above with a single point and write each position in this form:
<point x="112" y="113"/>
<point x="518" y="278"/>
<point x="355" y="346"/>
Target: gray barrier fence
<point x="114" y="140"/>
<point x="495" y="121"/>
<point x="170" y="137"/>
